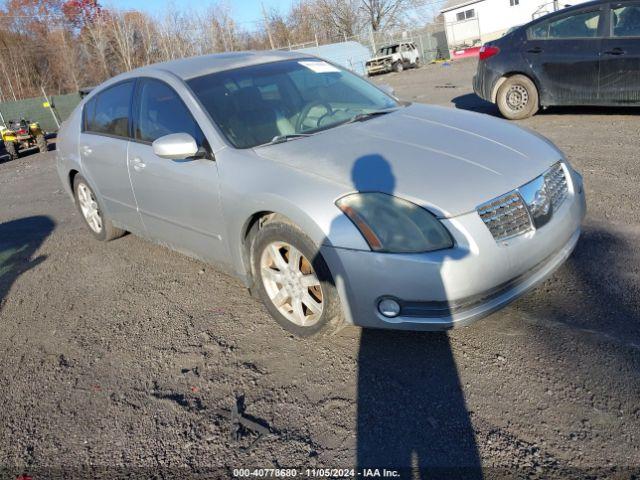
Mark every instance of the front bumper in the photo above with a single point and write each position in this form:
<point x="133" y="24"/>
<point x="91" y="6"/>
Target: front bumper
<point x="382" y="68"/>
<point x="451" y="288"/>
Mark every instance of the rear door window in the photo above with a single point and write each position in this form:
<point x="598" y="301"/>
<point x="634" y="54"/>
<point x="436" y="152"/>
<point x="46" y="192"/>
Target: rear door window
<point x="579" y="25"/>
<point x="108" y="112"/>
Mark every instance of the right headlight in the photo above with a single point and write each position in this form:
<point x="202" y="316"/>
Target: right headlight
<point x="391" y="224"/>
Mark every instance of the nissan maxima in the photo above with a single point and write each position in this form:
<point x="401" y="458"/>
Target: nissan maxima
<point x="334" y="202"/>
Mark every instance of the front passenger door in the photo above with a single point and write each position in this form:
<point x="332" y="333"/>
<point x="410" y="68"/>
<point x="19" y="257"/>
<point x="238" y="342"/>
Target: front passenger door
<point x="620" y="56"/>
<point x="178" y="200"/>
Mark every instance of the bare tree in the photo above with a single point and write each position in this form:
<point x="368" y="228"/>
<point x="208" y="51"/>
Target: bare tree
<point x="384" y="13"/>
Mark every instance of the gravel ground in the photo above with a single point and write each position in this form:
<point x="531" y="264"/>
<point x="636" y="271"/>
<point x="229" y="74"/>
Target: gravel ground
<point x="127" y="359"/>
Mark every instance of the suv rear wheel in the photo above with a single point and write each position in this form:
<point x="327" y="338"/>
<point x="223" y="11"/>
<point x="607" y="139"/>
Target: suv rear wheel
<point x="517" y="98"/>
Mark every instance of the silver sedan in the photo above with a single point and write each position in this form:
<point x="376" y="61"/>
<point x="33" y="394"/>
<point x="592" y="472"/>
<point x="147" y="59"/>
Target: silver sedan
<point x="334" y="202"/>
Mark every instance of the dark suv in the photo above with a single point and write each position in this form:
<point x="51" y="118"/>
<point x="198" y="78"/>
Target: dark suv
<point x="588" y="54"/>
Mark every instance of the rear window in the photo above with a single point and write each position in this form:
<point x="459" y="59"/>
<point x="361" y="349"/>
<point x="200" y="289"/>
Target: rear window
<point x="108" y="112"/>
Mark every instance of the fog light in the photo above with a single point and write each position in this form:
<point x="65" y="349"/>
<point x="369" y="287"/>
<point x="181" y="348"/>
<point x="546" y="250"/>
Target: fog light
<point x="389" y="307"/>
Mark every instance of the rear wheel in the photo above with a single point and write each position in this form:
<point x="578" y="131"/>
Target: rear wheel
<point x="398" y="67"/>
<point x="293" y="280"/>
<point x="417" y="63"/>
<point x="12" y="150"/>
<point x="517" y="98"/>
<point x="41" y="142"/>
<point x="92" y="212"/>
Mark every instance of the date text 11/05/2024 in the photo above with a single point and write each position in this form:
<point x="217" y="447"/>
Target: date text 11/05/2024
<point x="315" y="473"/>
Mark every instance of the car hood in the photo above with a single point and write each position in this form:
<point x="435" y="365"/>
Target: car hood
<point x="447" y="160"/>
<point x="381" y="57"/>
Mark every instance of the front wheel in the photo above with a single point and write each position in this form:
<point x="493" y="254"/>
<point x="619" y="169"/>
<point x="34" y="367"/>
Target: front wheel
<point x="293" y="280"/>
<point x="92" y="212"/>
<point x="398" y="67"/>
<point x="517" y="98"/>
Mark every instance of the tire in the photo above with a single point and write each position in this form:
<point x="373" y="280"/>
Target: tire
<point x="12" y="150"/>
<point x="517" y="98"/>
<point x="398" y="67"/>
<point x="106" y="230"/>
<point x="279" y="236"/>
<point x="41" y="142"/>
<point x="417" y="64"/>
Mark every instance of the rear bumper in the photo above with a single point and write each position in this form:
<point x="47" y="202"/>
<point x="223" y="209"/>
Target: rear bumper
<point x="447" y="289"/>
<point x="484" y="81"/>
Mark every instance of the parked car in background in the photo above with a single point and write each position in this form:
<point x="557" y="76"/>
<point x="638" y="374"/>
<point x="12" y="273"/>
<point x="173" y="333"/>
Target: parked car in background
<point x="333" y="202"/>
<point x="588" y="54"/>
<point x="394" y="57"/>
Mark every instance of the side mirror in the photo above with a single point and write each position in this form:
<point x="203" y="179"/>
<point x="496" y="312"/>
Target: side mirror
<point x="388" y="89"/>
<point x="177" y="146"/>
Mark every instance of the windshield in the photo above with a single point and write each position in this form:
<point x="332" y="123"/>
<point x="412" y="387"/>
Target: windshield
<point x="389" y="50"/>
<point x="253" y="105"/>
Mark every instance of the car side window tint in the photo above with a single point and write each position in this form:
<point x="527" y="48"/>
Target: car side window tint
<point x="626" y="21"/>
<point x="162" y="112"/>
<point x="581" y="25"/>
<point x="89" y="112"/>
<point x="110" y="112"/>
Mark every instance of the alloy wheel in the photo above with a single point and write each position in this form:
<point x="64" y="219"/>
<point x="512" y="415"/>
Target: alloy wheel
<point x="291" y="283"/>
<point x="89" y="207"/>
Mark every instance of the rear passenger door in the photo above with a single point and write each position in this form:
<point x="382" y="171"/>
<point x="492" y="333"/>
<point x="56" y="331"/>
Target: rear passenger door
<point x="563" y="52"/>
<point x="104" y="141"/>
<point x="620" y="55"/>
<point x="178" y="199"/>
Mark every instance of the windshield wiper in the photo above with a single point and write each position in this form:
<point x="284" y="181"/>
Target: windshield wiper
<point x="367" y="115"/>
<point x="285" y="138"/>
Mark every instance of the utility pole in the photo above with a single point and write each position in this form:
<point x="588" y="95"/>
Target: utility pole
<point x="55" y="118"/>
<point x="266" y="25"/>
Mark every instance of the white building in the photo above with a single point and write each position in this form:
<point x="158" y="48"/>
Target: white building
<point x="473" y="22"/>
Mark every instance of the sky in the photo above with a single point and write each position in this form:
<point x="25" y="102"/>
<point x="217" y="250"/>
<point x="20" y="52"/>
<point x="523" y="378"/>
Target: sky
<point x="246" y="12"/>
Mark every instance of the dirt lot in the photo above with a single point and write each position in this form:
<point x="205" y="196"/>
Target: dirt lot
<point x="128" y="359"/>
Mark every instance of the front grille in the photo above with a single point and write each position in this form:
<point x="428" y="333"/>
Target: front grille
<point x="556" y="185"/>
<point x="505" y="216"/>
<point x="511" y="214"/>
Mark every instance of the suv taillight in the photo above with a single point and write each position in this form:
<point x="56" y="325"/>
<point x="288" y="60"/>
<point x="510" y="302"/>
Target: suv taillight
<point x="488" y="51"/>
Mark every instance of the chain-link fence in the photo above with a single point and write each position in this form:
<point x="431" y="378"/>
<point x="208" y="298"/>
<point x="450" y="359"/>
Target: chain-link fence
<point x="34" y="109"/>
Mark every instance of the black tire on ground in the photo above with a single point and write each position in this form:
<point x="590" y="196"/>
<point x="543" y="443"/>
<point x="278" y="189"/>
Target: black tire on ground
<point x="41" y="142"/>
<point x="12" y="150"/>
<point x="398" y="67"/>
<point x="517" y="98"/>
<point x="108" y="231"/>
<point x="417" y="64"/>
<point x="279" y="230"/>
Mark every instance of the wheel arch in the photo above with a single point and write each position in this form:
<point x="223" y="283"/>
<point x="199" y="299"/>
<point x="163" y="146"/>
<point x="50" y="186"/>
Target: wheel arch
<point x="498" y="83"/>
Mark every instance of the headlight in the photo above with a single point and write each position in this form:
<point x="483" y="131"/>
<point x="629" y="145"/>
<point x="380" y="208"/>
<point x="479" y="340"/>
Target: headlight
<point x="391" y="224"/>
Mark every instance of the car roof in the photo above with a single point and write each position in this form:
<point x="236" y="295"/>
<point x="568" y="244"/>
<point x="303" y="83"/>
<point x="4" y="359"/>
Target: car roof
<point x="187" y="68"/>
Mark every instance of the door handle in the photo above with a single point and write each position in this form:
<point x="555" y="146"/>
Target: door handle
<point x="138" y="164"/>
<point x="615" y="51"/>
<point x="86" y="150"/>
<point x="535" y="50"/>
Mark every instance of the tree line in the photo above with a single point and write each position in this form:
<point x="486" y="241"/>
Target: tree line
<point x="64" y="45"/>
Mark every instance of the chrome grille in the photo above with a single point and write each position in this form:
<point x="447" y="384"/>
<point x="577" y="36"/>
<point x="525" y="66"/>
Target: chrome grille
<point x="531" y="204"/>
<point x="505" y="216"/>
<point x="556" y="185"/>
